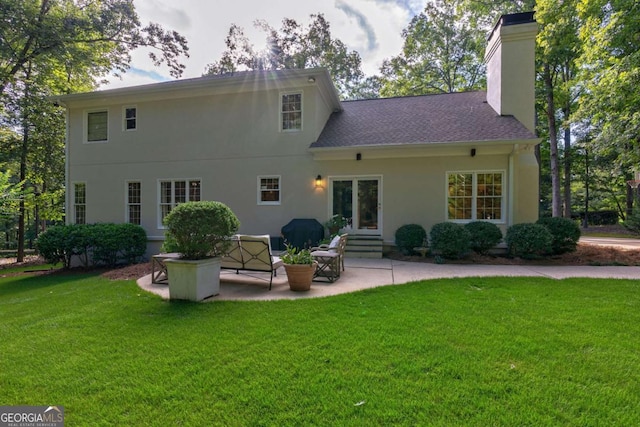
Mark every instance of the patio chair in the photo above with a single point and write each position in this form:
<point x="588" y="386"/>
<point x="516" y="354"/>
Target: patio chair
<point x="330" y="258"/>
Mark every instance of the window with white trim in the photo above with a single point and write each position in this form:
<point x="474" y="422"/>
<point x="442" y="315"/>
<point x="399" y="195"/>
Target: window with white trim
<point x="79" y="203"/>
<point x="174" y="192"/>
<point x="291" y="112"/>
<point x="134" y="203"/>
<point x="269" y="190"/>
<point x="130" y="118"/>
<point x="97" y="126"/>
<point x="473" y="196"/>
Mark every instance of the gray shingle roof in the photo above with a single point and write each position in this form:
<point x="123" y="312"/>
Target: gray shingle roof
<point x="455" y="117"/>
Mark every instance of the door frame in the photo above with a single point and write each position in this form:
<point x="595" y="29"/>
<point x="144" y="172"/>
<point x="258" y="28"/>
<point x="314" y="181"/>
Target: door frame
<point x="355" y="206"/>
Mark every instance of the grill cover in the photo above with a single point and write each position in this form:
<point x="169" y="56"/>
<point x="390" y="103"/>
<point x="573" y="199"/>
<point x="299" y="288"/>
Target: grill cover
<point x="303" y="233"/>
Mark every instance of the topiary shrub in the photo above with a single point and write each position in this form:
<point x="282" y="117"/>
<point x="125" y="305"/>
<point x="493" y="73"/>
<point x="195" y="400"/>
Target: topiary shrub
<point x="483" y="236"/>
<point x="449" y="239"/>
<point x="528" y="240"/>
<point x="410" y="236"/>
<point x="565" y="233"/>
<point x="199" y="230"/>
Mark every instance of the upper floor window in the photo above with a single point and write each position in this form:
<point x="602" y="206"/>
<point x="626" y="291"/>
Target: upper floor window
<point x="97" y="126"/>
<point x="79" y="203"/>
<point x="473" y="196"/>
<point x="130" y="115"/>
<point x="175" y="192"/>
<point x="291" y="112"/>
<point x="134" y="203"/>
<point x="268" y="190"/>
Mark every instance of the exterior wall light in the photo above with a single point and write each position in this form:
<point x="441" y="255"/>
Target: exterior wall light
<point x="319" y="181"/>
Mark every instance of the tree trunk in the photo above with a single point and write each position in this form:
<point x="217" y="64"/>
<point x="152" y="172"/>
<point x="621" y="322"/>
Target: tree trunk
<point x="567" y="166"/>
<point x="553" y="143"/>
<point x="585" y="221"/>
<point x="23" y="176"/>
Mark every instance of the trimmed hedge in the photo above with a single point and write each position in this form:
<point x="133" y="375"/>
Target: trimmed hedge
<point x="410" y="236"/>
<point x="528" y="240"/>
<point x="565" y="233"/>
<point x="483" y="236"/>
<point x="94" y="244"/>
<point x="450" y="240"/>
<point x="198" y="230"/>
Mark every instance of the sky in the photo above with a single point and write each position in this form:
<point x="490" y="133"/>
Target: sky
<point x="373" y="28"/>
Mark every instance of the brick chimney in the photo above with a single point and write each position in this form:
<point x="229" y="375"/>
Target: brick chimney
<point x="510" y="58"/>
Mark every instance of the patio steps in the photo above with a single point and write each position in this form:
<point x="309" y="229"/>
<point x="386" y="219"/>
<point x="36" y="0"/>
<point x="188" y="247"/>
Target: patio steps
<point x="363" y="246"/>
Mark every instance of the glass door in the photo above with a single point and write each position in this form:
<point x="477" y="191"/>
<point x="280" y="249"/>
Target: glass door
<point x="358" y="200"/>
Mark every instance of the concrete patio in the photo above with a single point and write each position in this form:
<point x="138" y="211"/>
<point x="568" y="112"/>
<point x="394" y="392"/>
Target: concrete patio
<point x="369" y="273"/>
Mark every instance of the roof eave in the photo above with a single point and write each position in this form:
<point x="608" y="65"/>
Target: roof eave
<point x="430" y="149"/>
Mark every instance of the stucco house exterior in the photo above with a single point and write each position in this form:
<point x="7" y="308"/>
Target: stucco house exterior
<point x="280" y="145"/>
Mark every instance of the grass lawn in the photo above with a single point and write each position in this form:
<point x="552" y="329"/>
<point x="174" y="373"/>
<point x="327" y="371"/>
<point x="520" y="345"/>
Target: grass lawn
<point x="472" y="352"/>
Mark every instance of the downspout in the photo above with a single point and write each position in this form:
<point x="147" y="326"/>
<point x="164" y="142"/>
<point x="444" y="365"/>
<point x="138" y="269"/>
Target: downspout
<point x="511" y="186"/>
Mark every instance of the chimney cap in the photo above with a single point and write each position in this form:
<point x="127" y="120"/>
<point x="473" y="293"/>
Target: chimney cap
<point x="513" y="19"/>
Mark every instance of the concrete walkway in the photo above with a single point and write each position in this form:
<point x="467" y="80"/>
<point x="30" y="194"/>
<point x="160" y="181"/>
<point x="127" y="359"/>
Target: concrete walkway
<point x="368" y="273"/>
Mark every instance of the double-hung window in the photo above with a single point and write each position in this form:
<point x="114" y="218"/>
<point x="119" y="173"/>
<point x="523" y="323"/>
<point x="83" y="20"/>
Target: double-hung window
<point x="473" y="196"/>
<point x="269" y="190"/>
<point x="174" y="192"/>
<point x="130" y="117"/>
<point x="291" y="112"/>
<point x="97" y="126"/>
<point x="134" y="203"/>
<point x="79" y="203"/>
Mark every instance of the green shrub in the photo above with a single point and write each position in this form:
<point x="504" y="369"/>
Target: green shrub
<point x="565" y="233"/>
<point x="449" y="239"/>
<point x="57" y="245"/>
<point x="93" y="244"/>
<point x="410" y="236"/>
<point x="200" y="229"/>
<point x="632" y="223"/>
<point x="528" y="240"/>
<point x="114" y="244"/>
<point x="483" y="236"/>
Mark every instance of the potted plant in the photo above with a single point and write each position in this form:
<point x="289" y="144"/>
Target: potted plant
<point x="335" y="223"/>
<point x="199" y="232"/>
<point x="300" y="267"/>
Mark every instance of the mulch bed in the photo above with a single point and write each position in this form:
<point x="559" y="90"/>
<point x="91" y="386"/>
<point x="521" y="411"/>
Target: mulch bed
<point x="585" y="254"/>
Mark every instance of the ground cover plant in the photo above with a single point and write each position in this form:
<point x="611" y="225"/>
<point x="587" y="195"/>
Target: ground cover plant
<point x="476" y="351"/>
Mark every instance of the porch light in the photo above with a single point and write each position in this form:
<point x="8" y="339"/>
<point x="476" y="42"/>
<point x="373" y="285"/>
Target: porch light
<point x="319" y="181"/>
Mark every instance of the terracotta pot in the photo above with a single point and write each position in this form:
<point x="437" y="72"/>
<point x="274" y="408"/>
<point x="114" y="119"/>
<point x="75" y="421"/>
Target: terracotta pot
<point x="300" y="275"/>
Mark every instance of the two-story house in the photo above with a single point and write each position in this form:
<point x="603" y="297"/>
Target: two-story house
<point x="279" y="145"/>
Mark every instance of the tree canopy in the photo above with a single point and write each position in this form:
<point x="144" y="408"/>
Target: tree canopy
<point x="442" y="53"/>
<point x="290" y="47"/>
<point x="94" y="37"/>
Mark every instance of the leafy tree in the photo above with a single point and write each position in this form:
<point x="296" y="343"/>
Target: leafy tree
<point x="293" y="46"/>
<point x="610" y="73"/>
<point x="442" y="53"/>
<point x="557" y="50"/>
<point x="9" y="193"/>
<point x="92" y="36"/>
<point x="49" y="47"/>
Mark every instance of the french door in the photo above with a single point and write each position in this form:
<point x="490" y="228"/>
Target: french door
<point x="358" y="199"/>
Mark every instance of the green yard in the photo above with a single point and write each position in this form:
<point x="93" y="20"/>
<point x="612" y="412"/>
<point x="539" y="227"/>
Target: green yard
<point x="473" y="352"/>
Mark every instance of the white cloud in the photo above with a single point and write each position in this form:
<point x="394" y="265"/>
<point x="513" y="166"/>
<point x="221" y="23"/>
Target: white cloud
<point x="371" y="27"/>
